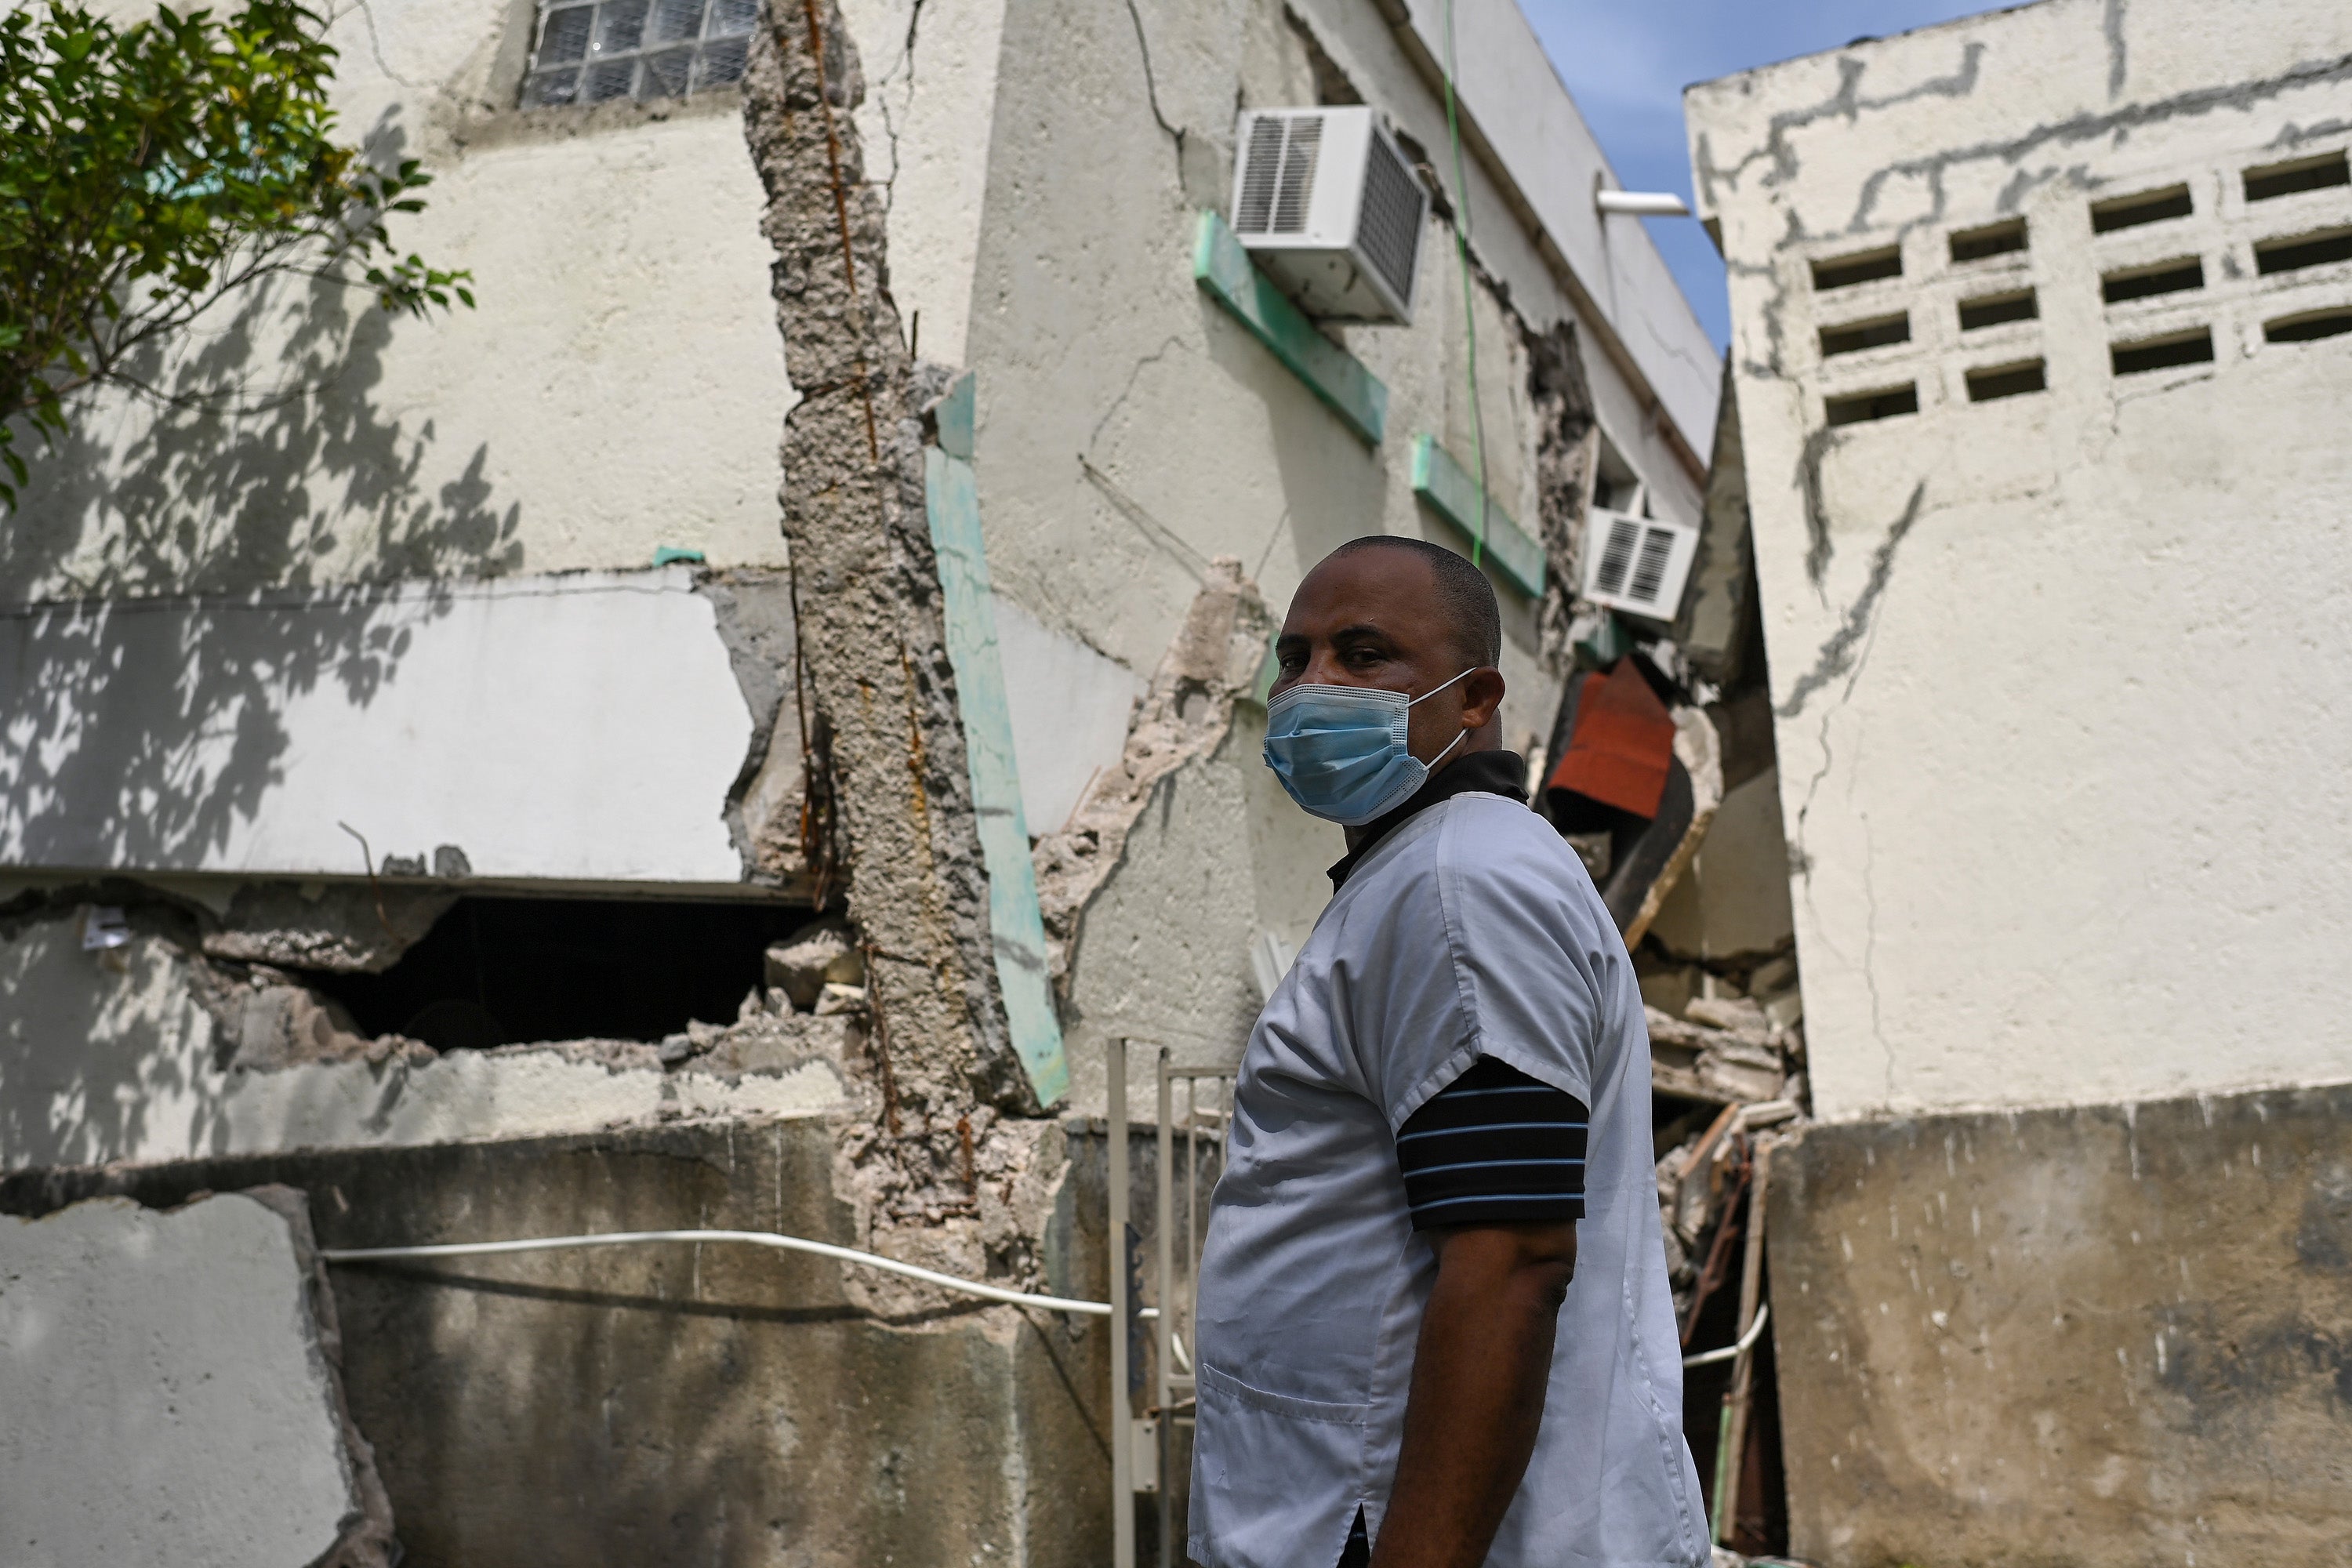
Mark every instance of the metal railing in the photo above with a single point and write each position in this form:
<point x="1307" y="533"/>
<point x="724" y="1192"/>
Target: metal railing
<point x="1147" y="1445"/>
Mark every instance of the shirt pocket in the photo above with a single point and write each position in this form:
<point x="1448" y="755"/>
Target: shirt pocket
<point x="1210" y="1378"/>
<point x="1275" y="1479"/>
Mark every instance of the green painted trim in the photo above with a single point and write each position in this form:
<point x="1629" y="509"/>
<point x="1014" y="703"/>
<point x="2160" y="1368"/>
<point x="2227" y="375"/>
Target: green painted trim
<point x="671" y="553"/>
<point x="955" y="415"/>
<point x="1452" y="495"/>
<point x="1016" y="926"/>
<point x="1222" y="268"/>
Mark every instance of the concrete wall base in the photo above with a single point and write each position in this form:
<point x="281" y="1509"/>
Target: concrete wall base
<point x="2115" y="1335"/>
<point x="682" y="1404"/>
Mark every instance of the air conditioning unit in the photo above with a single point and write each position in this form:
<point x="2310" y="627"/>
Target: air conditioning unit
<point x="1328" y="206"/>
<point x="1637" y="564"/>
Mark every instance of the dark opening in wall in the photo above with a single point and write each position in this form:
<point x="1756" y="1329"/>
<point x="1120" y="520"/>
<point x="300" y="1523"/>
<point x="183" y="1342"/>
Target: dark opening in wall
<point x="1993" y="239"/>
<point x="502" y="972"/>
<point x="2148" y="206"/>
<point x="1863" y="407"/>
<point x="2303" y="250"/>
<point x="1863" y="267"/>
<point x="2309" y="327"/>
<point x="1876" y="333"/>
<point x="1992" y="310"/>
<point x="2163" y="353"/>
<point x="2005" y="381"/>
<point x="2145" y="282"/>
<point x="2300" y="175"/>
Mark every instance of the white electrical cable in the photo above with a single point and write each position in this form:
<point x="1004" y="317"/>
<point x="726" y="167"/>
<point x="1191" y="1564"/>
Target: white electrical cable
<point x="748" y="1237"/>
<point x="1708" y="1358"/>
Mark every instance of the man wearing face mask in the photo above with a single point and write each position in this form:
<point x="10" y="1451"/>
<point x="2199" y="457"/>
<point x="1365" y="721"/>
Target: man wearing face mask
<point x="1434" y="1324"/>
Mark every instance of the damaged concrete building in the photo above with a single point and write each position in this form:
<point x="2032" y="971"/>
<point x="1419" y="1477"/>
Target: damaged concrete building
<point x="2041" y="369"/>
<point x="480" y="780"/>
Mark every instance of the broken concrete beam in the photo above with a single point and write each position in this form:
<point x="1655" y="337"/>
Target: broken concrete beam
<point x="347" y="928"/>
<point x="1699" y="1062"/>
<point x="815" y="956"/>
<point x="1741" y="1014"/>
<point x="173" y="1386"/>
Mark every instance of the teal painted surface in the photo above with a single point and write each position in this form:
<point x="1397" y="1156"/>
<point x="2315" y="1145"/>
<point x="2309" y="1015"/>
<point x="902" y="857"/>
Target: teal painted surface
<point x="1016" y="929"/>
<point x="1609" y="641"/>
<point x="670" y="552"/>
<point x="1222" y="268"/>
<point x="954" y="417"/>
<point x="1452" y="495"/>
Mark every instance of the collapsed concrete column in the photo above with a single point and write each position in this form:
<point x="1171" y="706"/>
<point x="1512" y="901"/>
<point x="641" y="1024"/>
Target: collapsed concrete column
<point x="888" y="801"/>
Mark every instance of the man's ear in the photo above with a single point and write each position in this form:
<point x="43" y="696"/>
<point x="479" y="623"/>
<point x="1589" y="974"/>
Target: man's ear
<point x="1482" y="697"/>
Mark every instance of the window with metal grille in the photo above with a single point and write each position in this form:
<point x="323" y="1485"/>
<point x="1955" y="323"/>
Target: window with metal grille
<point x="608" y="49"/>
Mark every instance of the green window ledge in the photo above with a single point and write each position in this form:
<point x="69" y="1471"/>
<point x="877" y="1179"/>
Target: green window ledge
<point x="1221" y="267"/>
<point x="1452" y="495"/>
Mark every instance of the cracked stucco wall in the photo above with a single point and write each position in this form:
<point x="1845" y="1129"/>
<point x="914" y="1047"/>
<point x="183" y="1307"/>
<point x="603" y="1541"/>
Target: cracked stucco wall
<point x="2054" y="674"/>
<point x="1129" y="435"/>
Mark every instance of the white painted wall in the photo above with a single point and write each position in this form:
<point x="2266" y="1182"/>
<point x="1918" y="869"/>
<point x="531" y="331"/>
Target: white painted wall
<point x="2063" y="771"/>
<point x="1511" y="95"/>
<point x="930" y="98"/>
<point x="620" y="388"/>
<point x="1070" y="709"/>
<point x="168" y="1403"/>
<point x="582" y="728"/>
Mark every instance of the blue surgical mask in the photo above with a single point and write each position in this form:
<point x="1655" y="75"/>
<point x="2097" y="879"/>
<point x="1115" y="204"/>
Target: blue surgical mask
<point x="1341" y="750"/>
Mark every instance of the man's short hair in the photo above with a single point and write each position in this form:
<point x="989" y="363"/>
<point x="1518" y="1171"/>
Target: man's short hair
<point x="1464" y="595"/>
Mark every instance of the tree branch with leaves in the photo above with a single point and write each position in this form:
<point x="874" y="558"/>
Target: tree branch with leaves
<point x="149" y="173"/>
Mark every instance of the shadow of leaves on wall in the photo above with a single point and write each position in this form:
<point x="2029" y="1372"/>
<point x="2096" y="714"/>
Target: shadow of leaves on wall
<point x="184" y="563"/>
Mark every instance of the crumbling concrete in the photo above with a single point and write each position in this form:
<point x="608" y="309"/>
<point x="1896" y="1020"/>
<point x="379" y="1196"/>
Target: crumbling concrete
<point x="818" y="957"/>
<point x="1568" y="461"/>
<point x="147" y="1052"/>
<point x="2109" y="1336"/>
<point x="1213" y="662"/>
<point x="173" y="1384"/>
<point x="758" y="624"/>
<point x="340" y="926"/>
<point x="880" y="683"/>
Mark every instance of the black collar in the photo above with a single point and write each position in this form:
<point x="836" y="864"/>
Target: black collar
<point x="1489" y="773"/>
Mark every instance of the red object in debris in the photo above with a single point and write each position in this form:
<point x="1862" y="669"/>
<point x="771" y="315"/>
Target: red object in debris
<point x="1623" y="744"/>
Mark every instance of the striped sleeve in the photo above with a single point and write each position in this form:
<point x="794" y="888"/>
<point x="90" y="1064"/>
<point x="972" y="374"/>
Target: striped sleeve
<point x="1494" y="1147"/>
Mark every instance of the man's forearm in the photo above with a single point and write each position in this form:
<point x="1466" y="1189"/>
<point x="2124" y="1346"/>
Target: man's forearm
<point x="1479" y="1375"/>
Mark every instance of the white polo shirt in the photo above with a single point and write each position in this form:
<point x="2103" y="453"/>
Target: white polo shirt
<point x="1470" y="930"/>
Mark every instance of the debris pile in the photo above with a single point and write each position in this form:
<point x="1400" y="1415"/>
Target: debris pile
<point x="1725" y="1051"/>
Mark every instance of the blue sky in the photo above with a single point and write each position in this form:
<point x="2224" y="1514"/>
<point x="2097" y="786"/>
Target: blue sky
<point x="1627" y="65"/>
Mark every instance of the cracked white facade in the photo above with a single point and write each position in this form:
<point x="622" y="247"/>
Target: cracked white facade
<point x="2043" y="429"/>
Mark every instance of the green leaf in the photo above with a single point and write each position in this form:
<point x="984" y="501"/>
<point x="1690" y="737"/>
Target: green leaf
<point x="142" y="165"/>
